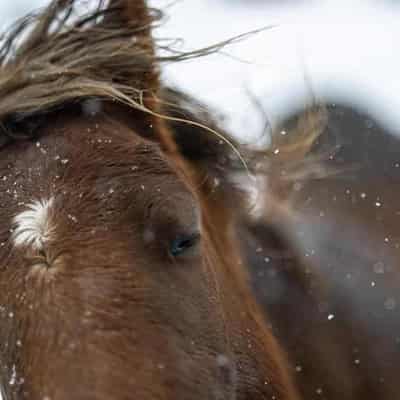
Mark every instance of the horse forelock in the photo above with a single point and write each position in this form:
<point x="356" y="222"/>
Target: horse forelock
<point x="64" y="54"/>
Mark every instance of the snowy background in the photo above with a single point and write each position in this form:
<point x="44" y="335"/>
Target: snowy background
<point x="336" y="50"/>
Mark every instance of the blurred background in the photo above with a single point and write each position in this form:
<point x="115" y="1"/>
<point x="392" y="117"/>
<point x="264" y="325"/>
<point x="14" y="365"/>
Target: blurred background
<point x="333" y="50"/>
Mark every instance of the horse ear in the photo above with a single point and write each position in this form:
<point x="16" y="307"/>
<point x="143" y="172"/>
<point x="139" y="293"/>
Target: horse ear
<point x="136" y="19"/>
<point x="133" y="12"/>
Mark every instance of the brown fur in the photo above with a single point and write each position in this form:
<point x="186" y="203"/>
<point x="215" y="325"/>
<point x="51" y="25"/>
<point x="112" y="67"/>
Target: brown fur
<point x="104" y="311"/>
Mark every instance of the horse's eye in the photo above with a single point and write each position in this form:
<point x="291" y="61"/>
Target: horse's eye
<point x="182" y="243"/>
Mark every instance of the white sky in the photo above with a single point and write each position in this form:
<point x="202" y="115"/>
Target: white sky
<point x="342" y="50"/>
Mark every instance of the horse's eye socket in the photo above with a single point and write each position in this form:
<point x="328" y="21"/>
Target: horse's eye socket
<point x="183" y="243"/>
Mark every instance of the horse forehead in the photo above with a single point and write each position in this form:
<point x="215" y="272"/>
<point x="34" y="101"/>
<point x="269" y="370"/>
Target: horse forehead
<point x="70" y="143"/>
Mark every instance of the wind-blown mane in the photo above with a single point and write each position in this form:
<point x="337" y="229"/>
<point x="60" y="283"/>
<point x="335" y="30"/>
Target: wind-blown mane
<point x="57" y="56"/>
<point x="63" y="54"/>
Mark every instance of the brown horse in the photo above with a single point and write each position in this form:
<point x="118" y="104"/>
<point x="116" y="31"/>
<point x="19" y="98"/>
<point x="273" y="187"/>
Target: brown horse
<point x="325" y="264"/>
<point x="120" y="272"/>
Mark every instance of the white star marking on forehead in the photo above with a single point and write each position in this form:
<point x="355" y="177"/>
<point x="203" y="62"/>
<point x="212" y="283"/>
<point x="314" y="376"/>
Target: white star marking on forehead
<point x="32" y="227"/>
